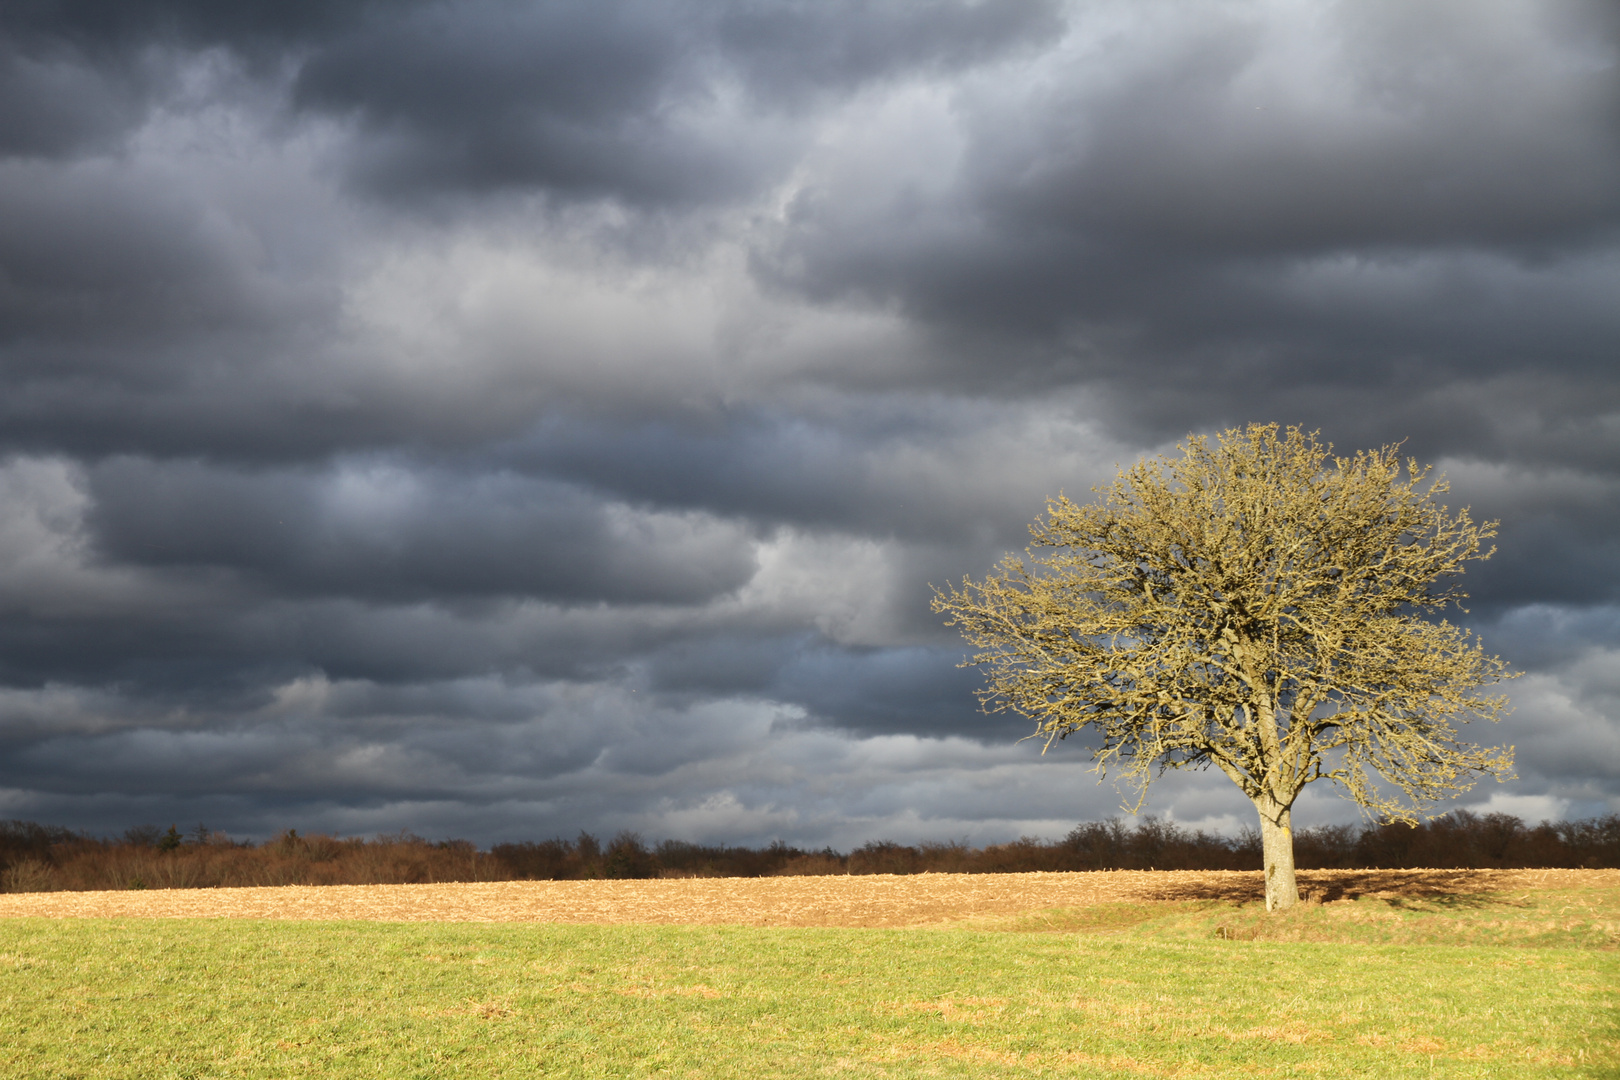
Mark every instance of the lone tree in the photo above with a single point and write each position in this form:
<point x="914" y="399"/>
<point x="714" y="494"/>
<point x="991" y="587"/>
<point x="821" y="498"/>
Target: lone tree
<point x="1257" y="605"/>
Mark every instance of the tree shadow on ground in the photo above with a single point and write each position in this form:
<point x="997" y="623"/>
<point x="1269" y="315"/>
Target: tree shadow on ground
<point x="1456" y="888"/>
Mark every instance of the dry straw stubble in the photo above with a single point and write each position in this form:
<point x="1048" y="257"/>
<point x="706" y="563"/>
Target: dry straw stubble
<point x="844" y="900"/>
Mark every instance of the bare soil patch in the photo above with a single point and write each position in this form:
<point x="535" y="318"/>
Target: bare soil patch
<point x="858" y="900"/>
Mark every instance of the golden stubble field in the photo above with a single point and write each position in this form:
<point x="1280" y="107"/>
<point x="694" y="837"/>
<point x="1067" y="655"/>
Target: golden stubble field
<point x="862" y="900"/>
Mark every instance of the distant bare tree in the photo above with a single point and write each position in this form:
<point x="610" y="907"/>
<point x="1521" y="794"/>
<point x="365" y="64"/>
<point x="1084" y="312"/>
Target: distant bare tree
<point x="1257" y="605"/>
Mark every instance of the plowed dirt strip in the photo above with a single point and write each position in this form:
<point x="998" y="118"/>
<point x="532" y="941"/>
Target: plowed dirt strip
<point x="866" y="900"/>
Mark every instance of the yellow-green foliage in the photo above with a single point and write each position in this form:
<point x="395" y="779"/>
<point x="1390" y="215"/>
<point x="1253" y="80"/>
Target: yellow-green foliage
<point x="1129" y="995"/>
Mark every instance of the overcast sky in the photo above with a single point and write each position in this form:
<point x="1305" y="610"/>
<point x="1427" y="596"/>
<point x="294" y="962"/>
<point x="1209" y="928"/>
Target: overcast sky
<point x="503" y="418"/>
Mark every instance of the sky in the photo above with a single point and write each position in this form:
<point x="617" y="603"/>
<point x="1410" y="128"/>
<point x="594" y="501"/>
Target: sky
<point x="503" y="418"/>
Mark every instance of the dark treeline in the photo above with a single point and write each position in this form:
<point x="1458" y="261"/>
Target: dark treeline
<point x="37" y="858"/>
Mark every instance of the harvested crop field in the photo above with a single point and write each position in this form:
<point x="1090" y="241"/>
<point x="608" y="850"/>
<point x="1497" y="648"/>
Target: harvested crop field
<point x="843" y="900"/>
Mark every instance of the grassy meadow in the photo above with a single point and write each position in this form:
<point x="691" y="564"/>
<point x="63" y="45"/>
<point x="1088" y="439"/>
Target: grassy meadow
<point x="1504" y="986"/>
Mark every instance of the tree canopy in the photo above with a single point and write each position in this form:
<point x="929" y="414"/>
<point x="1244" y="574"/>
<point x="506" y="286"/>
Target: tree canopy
<point x="1258" y="605"/>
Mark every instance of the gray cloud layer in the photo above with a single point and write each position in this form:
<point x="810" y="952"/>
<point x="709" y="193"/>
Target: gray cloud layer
<point x="510" y="418"/>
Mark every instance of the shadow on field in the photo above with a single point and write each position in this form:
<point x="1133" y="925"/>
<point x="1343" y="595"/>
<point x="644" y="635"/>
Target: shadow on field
<point x="1459" y="888"/>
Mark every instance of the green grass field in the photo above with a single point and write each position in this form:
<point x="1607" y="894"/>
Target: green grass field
<point x="1504" y="987"/>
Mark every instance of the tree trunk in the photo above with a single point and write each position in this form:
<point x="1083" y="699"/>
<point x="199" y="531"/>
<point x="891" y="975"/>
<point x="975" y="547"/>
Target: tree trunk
<point x="1277" y="844"/>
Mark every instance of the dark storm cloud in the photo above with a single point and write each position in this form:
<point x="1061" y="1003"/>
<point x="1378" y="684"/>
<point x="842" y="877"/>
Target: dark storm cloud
<point x="147" y="287"/>
<point x="379" y="531"/>
<point x="97" y="27"/>
<point x="1408" y="135"/>
<point x="792" y="52"/>
<point x="1539" y="636"/>
<point x="51" y="106"/>
<point x="605" y="99"/>
<point x="617" y="99"/>
<point x="916" y="690"/>
<point x="513" y="417"/>
<point x="198" y="586"/>
<point x="777" y="468"/>
<point x="1549" y="559"/>
<point x="1405" y="196"/>
<point x="1557" y="538"/>
<point x="576" y="99"/>
<point x="1412" y="236"/>
<point x="115" y="270"/>
<point x="78" y="75"/>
